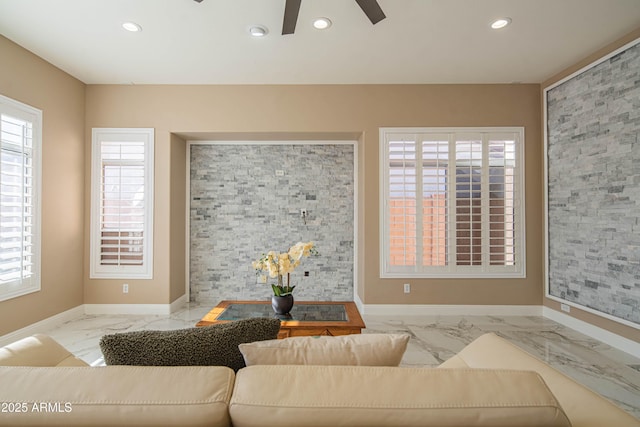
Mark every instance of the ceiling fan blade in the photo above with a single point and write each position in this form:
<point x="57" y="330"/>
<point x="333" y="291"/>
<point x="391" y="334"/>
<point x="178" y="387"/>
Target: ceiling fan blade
<point x="291" y="9"/>
<point x="372" y="9"/>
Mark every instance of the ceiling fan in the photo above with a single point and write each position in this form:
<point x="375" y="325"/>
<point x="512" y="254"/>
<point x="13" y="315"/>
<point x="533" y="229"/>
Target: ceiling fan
<point x="371" y="8"/>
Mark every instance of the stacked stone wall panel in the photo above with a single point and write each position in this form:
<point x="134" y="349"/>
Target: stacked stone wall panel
<point x="241" y="207"/>
<point x="593" y="127"/>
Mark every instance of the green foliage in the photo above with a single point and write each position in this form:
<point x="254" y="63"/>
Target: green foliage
<point x="281" y="290"/>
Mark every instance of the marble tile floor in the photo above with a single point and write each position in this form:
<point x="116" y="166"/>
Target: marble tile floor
<point x="608" y="371"/>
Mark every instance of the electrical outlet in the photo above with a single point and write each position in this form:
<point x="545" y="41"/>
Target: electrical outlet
<point x="407" y="288"/>
<point x="279" y="172"/>
<point x="125" y="288"/>
<point x="565" y="307"/>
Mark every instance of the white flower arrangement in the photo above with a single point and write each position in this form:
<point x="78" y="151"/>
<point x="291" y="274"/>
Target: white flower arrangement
<point x="276" y="265"/>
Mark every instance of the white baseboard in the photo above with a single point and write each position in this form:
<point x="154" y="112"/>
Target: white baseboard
<point x="143" y="309"/>
<point x="44" y="324"/>
<point x="359" y="303"/>
<point x="451" y="310"/>
<point x="178" y="304"/>
<point x="614" y="340"/>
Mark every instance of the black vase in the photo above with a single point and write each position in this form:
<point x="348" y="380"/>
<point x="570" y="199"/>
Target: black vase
<point x="282" y="305"/>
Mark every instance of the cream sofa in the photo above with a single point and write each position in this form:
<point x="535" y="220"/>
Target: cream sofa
<point x="490" y="382"/>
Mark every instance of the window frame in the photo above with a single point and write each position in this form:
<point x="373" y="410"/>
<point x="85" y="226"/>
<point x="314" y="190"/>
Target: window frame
<point x="19" y="110"/>
<point x="451" y="270"/>
<point x="100" y="135"/>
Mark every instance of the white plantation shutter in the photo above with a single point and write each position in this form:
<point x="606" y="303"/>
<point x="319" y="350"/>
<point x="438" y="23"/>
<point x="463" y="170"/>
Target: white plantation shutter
<point x="435" y="164"/>
<point x="122" y="215"/>
<point x="468" y="201"/>
<point x="20" y="130"/>
<point x="464" y="215"/>
<point x="122" y="203"/>
<point x="504" y="178"/>
<point x="402" y="200"/>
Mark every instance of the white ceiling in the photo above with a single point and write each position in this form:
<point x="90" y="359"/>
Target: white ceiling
<point x="421" y="41"/>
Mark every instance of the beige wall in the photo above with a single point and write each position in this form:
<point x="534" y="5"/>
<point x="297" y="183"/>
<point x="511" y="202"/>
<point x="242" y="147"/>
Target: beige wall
<point x="177" y="214"/>
<point x="29" y="79"/>
<point x="612" y="326"/>
<point x="320" y="110"/>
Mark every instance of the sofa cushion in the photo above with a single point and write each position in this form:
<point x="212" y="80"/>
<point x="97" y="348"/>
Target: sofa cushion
<point x="37" y="350"/>
<point x="209" y="345"/>
<point x="584" y="407"/>
<point x="365" y="350"/>
<point x="304" y="396"/>
<point x="116" y="395"/>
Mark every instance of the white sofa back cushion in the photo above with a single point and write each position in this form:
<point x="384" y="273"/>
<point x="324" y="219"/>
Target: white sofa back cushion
<point x="583" y="406"/>
<point x="194" y="396"/>
<point x="305" y="396"/>
<point x="37" y="350"/>
<point x="362" y="350"/>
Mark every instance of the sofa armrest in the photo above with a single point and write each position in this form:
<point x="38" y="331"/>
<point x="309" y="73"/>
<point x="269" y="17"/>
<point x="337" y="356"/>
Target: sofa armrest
<point x="306" y="396"/>
<point x="584" y="407"/>
<point x="116" y="395"/>
<point x="37" y="350"/>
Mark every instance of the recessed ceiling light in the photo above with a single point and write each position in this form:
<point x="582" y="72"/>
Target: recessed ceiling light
<point x="258" y="31"/>
<point x="132" y="26"/>
<point x="321" y="23"/>
<point x="500" y="23"/>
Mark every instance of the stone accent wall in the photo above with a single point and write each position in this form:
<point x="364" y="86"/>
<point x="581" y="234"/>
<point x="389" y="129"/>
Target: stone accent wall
<point x="594" y="187"/>
<point x="246" y="200"/>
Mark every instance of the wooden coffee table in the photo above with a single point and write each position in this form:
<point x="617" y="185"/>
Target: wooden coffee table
<point x="307" y="318"/>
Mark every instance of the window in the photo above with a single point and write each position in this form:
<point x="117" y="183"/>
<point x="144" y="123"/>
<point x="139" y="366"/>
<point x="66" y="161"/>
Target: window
<point x="20" y="170"/>
<point x="122" y="203"/>
<point x="452" y="202"/>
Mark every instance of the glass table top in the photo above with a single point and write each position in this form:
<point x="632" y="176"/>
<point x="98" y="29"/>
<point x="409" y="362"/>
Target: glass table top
<point x="299" y="312"/>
